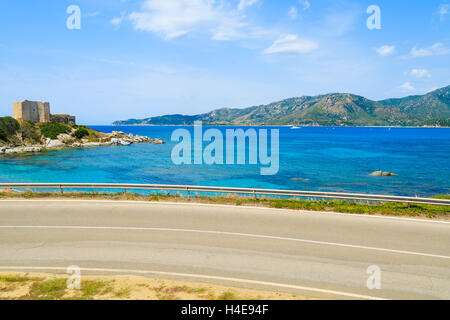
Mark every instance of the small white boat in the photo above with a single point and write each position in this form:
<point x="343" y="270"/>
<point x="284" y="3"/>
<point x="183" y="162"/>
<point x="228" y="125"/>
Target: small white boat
<point x="295" y="127"/>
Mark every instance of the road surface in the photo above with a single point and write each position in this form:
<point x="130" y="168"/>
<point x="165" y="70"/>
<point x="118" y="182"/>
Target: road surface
<point x="320" y="255"/>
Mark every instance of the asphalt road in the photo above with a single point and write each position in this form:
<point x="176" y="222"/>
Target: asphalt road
<point x="314" y="254"/>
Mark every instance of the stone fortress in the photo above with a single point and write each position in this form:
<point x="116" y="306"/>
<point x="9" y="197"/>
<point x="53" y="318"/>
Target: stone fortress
<point x="35" y="111"/>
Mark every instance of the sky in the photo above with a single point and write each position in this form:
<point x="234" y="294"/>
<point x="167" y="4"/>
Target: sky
<point x="143" y="58"/>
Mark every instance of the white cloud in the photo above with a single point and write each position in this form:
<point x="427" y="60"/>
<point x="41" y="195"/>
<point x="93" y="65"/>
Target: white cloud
<point x="407" y="86"/>
<point x="243" y="4"/>
<point x="306" y="5"/>
<point x="116" y="21"/>
<point x="175" y="18"/>
<point x="420" y="73"/>
<point x="293" y="13"/>
<point x="437" y="49"/>
<point x="291" y="43"/>
<point x="385" y="50"/>
<point x="444" y="9"/>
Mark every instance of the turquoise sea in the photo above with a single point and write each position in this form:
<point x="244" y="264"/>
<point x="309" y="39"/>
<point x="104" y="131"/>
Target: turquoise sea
<point x="311" y="158"/>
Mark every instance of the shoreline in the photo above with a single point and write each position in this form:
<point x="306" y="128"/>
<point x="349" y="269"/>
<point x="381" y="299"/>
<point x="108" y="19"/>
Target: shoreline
<point x="246" y="125"/>
<point x="64" y="142"/>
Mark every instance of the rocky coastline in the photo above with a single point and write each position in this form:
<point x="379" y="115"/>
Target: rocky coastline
<point x="116" y="138"/>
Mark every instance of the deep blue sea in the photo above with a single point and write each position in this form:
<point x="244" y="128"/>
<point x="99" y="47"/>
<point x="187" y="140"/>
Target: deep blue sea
<point x="311" y="158"/>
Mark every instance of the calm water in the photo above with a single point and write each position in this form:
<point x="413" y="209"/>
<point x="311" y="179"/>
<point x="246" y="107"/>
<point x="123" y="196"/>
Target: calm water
<point x="311" y="158"/>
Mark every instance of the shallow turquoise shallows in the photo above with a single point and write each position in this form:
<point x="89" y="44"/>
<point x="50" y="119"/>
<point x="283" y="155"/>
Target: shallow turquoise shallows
<point x="311" y="158"/>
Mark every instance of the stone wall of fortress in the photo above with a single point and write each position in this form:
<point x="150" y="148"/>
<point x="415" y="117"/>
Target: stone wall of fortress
<point x="33" y="111"/>
<point x="36" y="111"/>
<point x="63" y="118"/>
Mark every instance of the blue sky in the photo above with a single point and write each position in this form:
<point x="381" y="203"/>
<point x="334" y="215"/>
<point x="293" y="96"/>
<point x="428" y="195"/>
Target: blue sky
<point x="141" y="58"/>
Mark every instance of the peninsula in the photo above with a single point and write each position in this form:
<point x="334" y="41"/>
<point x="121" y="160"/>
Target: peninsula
<point x="34" y="129"/>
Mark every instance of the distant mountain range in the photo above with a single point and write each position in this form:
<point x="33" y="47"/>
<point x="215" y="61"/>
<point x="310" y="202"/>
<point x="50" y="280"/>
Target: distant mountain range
<point x="334" y="109"/>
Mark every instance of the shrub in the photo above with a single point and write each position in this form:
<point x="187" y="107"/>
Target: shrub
<point x="9" y="125"/>
<point x="80" y="133"/>
<point x="53" y="129"/>
<point x="442" y="122"/>
<point x="3" y="135"/>
<point x="29" y="131"/>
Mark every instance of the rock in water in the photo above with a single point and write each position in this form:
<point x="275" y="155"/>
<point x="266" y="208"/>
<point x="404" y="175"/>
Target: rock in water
<point x="382" y="173"/>
<point x="33" y="149"/>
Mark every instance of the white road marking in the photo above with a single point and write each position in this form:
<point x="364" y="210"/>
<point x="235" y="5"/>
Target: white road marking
<point x="234" y="234"/>
<point x="200" y="276"/>
<point x="233" y="206"/>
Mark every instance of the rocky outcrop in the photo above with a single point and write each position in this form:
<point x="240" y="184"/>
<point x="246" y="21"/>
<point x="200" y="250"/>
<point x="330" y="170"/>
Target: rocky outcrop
<point x="120" y="138"/>
<point x="382" y="173"/>
<point x="121" y="142"/>
<point x="116" y="138"/>
<point x="22" y="149"/>
<point x="66" y="138"/>
<point x="52" y="144"/>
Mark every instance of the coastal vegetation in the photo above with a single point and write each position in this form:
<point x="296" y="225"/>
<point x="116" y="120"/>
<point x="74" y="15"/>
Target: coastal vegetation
<point x="438" y="122"/>
<point x="53" y="129"/>
<point x="80" y="133"/>
<point x="335" y="109"/>
<point x="8" y="127"/>
<point x="25" y="136"/>
<point x="44" y="286"/>
<point x="341" y="206"/>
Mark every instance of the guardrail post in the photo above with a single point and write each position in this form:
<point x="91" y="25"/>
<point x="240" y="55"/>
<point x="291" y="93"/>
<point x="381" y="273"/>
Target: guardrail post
<point x="254" y="194"/>
<point x="189" y="193"/>
<point x="62" y="190"/>
<point x="125" y="190"/>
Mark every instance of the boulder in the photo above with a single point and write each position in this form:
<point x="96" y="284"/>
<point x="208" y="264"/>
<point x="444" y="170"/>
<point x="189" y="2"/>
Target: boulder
<point x="19" y="149"/>
<point x="65" y="138"/>
<point x="382" y="173"/>
<point x="157" y="141"/>
<point x="33" y="149"/>
<point x="54" y="144"/>
<point x="91" y="144"/>
<point x="117" y="134"/>
<point x="121" y="142"/>
<point x="14" y="150"/>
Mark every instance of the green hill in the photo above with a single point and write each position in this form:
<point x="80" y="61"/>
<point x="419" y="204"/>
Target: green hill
<point x="335" y="109"/>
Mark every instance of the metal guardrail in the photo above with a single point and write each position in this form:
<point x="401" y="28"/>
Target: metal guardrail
<point x="248" y="191"/>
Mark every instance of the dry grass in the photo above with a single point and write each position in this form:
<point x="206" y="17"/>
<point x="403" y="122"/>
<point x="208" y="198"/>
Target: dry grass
<point x="390" y="209"/>
<point x="14" y="286"/>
